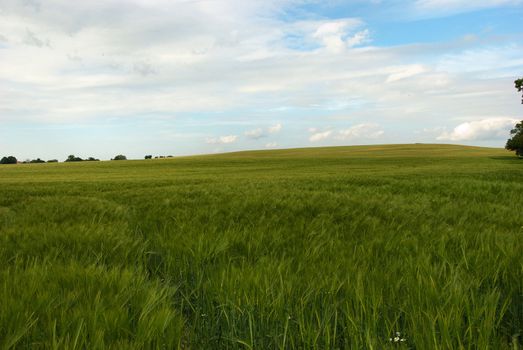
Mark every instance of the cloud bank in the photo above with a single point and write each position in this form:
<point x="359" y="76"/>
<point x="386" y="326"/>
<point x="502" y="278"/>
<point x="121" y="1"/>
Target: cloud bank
<point x="199" y="70"/>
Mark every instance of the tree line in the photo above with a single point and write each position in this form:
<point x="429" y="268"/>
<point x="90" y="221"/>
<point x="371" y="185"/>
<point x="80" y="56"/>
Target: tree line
<point x="70" y="158"/>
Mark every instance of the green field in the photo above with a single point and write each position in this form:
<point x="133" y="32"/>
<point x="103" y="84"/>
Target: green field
<point x="321" y="248"/>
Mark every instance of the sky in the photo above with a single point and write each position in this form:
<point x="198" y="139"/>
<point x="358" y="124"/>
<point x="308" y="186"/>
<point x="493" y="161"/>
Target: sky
<point x="180" y="77"/>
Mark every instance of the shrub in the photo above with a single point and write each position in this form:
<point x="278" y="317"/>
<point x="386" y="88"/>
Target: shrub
<point x="72" y="158"/>
<point x="8" y="160"/>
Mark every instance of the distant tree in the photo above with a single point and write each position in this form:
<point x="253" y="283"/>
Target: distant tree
<point x="91" y="159"/>
<point x="52" y="161"/>
<point x="169" y="156"/>
<point x="519" y="86"/>
<point x="8" y="160"/>
<point x="120" y="157"/>
<point x="72" y="158"/>
<point x="515" y="143"/>
<point x="37" y="160"/>
<point x="148" y="157"/>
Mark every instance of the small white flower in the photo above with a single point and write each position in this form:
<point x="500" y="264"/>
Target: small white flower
<point x="397" y="338"/>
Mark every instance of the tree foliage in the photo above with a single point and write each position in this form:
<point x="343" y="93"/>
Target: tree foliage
<point x="8" y="160"/>
<point x="519" y="86"/>
<point x="515" y="143"/>
<point x="72" y="158"/>
<point x="120" y="157"/>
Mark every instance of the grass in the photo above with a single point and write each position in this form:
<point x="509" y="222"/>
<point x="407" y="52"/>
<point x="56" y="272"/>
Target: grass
<point x="321" y="248"/>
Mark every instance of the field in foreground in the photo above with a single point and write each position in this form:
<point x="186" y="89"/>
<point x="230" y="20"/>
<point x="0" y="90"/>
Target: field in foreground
<point x="324" y="248"/>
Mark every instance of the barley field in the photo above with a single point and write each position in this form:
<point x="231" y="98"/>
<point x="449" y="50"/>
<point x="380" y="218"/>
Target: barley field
<point x="364" y="247"/>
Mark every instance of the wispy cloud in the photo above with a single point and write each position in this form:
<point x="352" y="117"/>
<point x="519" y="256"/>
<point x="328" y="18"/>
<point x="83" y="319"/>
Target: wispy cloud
<point x="222" y="140"/>
<point x="335" y="35"/>
<point x="406" y="72"/>
<point x="259" y="133"/>
<point x="457" y="6"/>
<point x="358" y="132"/>
<point x="255" y="133"/>
<point x="275" y="128"/>
<point x="319" y="136"/>
<point x="361" y="131"/>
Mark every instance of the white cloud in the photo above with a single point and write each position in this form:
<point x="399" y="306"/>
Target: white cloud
<point x="485" y="129"/>
<point x="255" y="133"/>
<point x="359" y="38"/>
<point x="275" y="128"/>
<point x="335" y="34"/>
<point x="406" y="72"/>
<point x="222" y="140"/>
<point x="271" y="145"/>
<point x="319" y="136"/>
<point x="361" y="131"/>
<point x="259" y="133"/>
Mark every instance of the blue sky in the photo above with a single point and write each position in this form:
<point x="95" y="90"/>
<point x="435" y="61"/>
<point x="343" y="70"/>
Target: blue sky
<point x="179" y="77"/>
